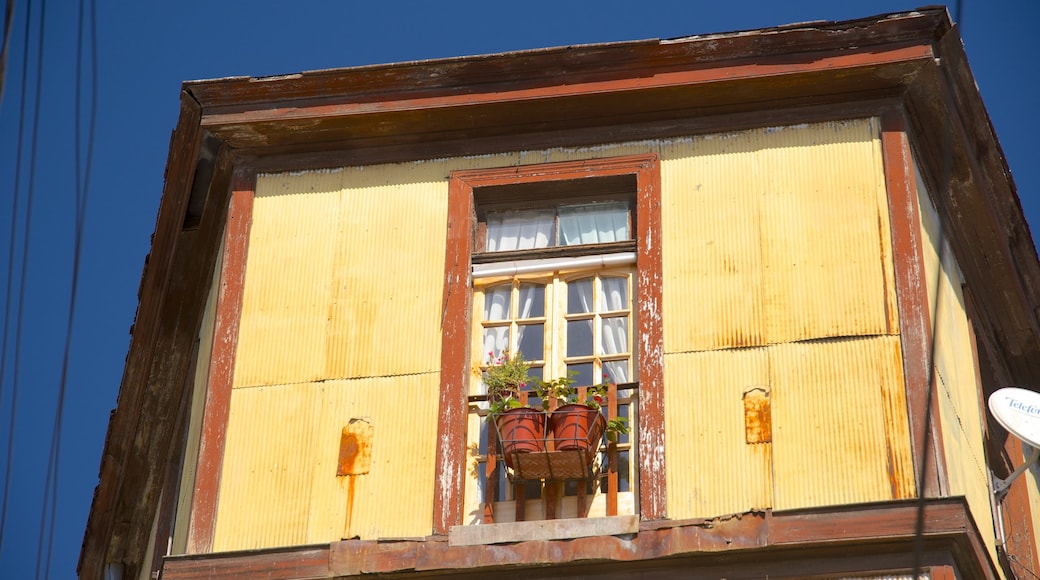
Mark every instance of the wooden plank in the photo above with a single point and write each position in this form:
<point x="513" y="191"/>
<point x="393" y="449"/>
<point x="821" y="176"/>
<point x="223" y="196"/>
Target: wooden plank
<point x="455" y="324"/>
<point x="542" y="530"/>
<point x="653" y="499"/>
<point x="288" y="564"/>
<point x="102" y="542"/>
<point x="222" y="366"/>
<point x="915" y="325"/>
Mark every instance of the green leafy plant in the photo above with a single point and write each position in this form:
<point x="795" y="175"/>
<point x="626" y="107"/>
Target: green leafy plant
<point x="616" y="426"/>
<point x="504" y="376"/>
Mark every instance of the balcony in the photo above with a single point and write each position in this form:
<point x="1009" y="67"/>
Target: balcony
<point x="557" y="477"/>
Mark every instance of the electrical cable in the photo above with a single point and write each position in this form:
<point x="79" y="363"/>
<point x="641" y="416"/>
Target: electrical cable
<point x="33" y="148"/>
<point x="8" y="21"/>
<point x="10" y="275"/>
<point x="82" y="189"/>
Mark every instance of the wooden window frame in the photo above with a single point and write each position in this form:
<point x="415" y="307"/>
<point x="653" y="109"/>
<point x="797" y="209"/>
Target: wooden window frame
<point x="464" y="187"/>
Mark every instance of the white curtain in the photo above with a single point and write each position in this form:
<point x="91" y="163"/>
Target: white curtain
<point x="613" y="297"/>
<point x="520" y="230"/>
<point x="496" y="308"/>
<point x="594" y="223"/>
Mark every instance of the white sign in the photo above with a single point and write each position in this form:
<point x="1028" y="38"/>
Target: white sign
<point x="1018" y="411"/>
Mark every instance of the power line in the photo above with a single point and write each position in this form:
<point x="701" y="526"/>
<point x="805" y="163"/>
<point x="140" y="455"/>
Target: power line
<point x="82" y="189"/>
<point x="10" y="275"/>
<point x="8" y="21"/>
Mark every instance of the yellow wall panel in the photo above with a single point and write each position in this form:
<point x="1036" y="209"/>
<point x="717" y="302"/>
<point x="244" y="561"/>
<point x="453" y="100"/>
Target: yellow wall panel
<point x="711" y="469"/>
<point x="955" y="376"/>
<point x="821" y="242"/>
<point x="287" y="289"/>
<point x="712" y="256"/>
<point x="280" y="486"/>
<point x="388" y="276"/>
<point x="830" y="441"/>
<point x="266" y="480"/>
<point x="774" y="235"/>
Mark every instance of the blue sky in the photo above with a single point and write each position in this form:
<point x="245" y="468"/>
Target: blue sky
<point x="146" y="49"/>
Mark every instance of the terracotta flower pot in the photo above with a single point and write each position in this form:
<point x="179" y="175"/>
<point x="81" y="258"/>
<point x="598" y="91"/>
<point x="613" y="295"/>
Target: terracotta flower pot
<point x="521" y="430"/>
<point x="576" y="426"/>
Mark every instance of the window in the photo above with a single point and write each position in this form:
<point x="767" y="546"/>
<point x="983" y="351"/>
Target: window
<point x="560" y="261"/>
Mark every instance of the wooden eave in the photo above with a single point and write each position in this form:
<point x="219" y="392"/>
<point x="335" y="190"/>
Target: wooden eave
<point x="911" y="63"/>
<point x="849" y="540"/>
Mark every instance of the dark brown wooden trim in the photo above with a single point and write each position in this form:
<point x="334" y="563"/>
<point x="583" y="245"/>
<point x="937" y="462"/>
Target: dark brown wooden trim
<point x="915" y="324"/>
<point x="172" y="472"/>
<point x="456" y="323"/>
<point x="774" y="65"/>
<point x="222" y="365"/>
<point x="101" y="542"/>
<point x="682" y="121"/>
<point x="849" y="540"/>
<point x="525" y="69"/>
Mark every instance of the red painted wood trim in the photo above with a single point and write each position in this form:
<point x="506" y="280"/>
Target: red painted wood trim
<point x="451" y="431"/>
<point x="915" y="325"/>
<point x="652" y="481"/>
<point x="719" y="71"/>
<point x="455" y="327"/>
<point x="222" y="365"/>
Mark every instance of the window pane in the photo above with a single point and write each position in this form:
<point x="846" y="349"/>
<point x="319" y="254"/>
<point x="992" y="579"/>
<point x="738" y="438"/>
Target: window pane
<point x="496" y="342"/>
<point x="582" y="374"/>
<point x="531" y="341"/>
<point x="520" y="230"/>
<point x="532" y="301"/>
<point x="496" y="302"/>
<point x="593" y="223"/>
<point x="616" y="371"/>
<point x="613" y="294"/>
<point x="615" y="336"/>
<point x="579" y="296"/>
<point x="579" y="337"/>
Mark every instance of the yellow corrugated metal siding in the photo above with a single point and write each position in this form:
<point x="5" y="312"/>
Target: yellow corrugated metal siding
<point x="711" y="469"/>
<point x="779" y="238"/>
<point x="775" y="235"/>
<point x="955" y="377"/>
<point x="324" y="301"/>
<point x="831" y="436"/>
<point x="388" y="273"/>
<point x="288" y="283"/>
<point x="279" y="484"/>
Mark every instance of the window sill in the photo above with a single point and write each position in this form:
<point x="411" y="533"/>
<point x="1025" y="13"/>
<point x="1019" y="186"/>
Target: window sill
<point x="480" y="534"/>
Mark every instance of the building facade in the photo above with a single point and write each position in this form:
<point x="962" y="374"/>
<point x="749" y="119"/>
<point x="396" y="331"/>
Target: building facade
<point x="796" y="252"/>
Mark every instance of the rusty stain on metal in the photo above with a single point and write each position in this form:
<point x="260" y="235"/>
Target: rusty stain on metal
<point x="355" y="458"/>
<point x="758" y="425"/>
<point x="355" y="448"/>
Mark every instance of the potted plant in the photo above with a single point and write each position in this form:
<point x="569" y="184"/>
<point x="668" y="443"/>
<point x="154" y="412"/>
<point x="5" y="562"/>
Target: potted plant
<point x="578" y="425"/>
<point x="521" y="429"/>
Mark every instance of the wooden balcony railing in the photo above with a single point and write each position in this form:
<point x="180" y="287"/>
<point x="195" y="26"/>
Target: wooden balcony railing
<point x="549" y="475"/>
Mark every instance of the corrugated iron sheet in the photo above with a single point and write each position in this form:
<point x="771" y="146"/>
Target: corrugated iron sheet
<point x="388" y="275"/>
<point x="285" y="303"/>
<point x="830" y="435"/>
<point x="711" y="468"/>
<point x="345" y="275"/>
<point x="280" y="486"/>
<point x="266" y="480"/>
<point x="955" y="375"/>
<point x="774" y="235"/>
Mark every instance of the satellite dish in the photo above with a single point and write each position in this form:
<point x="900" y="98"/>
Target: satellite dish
<point x="1018" y="411"/>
